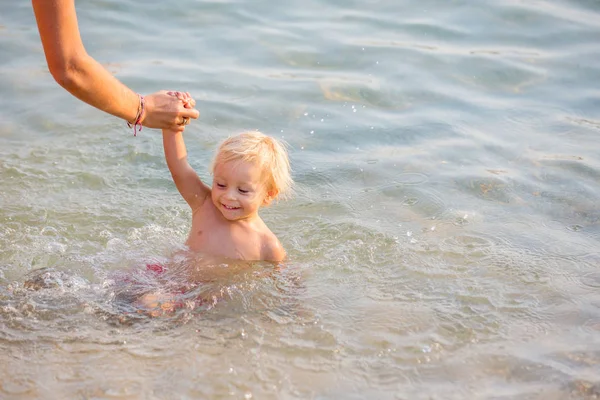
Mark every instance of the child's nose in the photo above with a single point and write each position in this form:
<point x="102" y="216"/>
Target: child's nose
<point x="230" y="195"/>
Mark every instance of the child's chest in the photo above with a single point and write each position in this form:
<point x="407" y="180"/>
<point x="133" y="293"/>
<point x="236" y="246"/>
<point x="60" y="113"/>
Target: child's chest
<point x="210" y="236"/>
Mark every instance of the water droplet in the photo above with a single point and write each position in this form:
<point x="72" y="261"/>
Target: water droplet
<point x="408" y="233"/>
<point x="312" y="132"/>
<point x="305" y="114"/>
<point x="302" y="148"/>
<point x="248" y="395"/>
<point x="354" y="110"/>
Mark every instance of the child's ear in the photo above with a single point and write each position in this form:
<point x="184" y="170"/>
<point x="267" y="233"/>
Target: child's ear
<point x="271" y="194"/>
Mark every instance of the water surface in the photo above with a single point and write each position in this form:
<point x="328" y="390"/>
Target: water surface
<point x="443" y="240"/>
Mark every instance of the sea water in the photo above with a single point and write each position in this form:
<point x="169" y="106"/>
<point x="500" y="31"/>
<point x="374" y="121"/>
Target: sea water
<point x="444" y="235"/>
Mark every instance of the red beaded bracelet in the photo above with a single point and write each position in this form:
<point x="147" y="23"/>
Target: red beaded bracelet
<point x="138" y="118"/>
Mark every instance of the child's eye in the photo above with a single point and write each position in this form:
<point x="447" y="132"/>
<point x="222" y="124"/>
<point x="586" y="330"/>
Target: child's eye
<point x="242" y="191"/>
<point x="220" y="185"/>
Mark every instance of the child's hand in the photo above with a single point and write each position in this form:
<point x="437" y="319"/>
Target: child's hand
<point x="185" y="97"/>
<point x="156" y="305"/>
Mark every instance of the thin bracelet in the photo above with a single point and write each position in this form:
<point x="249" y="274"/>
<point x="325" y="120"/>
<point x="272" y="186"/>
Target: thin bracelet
<point x="137" y="115"/>
<point x="138" y="118"/>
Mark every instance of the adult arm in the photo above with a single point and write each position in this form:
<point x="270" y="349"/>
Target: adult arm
<point x="191" y="188"/>
<point x="86" y="79"/>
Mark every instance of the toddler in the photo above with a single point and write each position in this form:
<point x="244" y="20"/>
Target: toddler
<point x="249" y="170"/>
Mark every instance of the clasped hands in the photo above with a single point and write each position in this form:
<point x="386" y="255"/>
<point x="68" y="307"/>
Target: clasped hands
<point x="169" y="110"/>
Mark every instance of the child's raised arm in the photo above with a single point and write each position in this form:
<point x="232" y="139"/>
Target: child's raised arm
<point x="191" y="188"/>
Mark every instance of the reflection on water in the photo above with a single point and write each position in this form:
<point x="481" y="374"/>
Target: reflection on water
<point x="443" y="241"/>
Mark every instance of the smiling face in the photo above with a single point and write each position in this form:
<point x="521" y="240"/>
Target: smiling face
<point x="238" y="189"/>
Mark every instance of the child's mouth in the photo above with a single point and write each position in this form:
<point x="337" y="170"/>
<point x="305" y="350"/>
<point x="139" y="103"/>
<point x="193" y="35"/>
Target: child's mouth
<point x="229" y="207"/>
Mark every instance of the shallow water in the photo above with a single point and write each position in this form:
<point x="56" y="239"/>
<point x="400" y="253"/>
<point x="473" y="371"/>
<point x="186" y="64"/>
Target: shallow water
<point x="443" y="240"/>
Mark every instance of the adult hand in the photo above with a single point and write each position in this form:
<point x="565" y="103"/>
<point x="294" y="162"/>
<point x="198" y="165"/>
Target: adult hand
<point x="167" y="111"/>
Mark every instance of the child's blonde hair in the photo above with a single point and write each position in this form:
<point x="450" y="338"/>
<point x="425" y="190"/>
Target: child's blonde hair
<point x="265" y="151"/>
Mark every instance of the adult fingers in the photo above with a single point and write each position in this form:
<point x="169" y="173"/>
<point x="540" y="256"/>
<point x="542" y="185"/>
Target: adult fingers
<point x="189" y="103"/>
<point x="190" y="113"/>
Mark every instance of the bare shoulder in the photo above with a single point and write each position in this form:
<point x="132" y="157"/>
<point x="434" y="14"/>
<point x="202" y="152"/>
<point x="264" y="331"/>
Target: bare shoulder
<point x="272" y="250"/>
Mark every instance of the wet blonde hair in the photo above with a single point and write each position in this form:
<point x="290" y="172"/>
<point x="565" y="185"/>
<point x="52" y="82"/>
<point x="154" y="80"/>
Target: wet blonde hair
<point x="262" y="150"/>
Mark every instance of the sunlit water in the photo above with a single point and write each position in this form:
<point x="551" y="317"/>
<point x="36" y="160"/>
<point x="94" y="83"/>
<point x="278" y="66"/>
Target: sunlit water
<point x="443" y="240"/>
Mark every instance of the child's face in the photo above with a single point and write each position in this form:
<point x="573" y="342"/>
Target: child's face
<point x="238" y="189"/>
